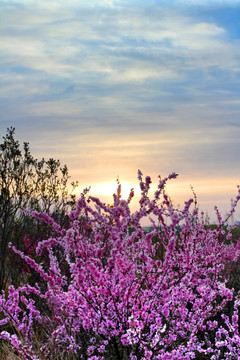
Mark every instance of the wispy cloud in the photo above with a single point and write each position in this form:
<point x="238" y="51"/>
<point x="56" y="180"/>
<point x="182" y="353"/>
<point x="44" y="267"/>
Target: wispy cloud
<point x="123" y="85"/>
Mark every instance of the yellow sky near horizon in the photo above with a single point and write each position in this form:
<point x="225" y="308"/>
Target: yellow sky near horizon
<point x="210" y="192"/>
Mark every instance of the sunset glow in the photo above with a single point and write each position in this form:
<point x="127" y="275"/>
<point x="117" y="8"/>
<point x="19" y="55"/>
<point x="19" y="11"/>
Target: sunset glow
<point x="106" y="190"/>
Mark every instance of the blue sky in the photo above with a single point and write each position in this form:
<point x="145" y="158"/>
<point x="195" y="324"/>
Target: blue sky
<point x="112" y="86"/>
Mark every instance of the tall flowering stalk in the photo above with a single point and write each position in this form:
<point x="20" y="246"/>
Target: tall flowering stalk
<point x="113" y="291"/>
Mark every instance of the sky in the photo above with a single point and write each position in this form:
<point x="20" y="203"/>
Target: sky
<point x="113" y="86"/>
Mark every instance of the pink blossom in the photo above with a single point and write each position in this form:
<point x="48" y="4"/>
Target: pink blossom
<point x="110" y="288"/>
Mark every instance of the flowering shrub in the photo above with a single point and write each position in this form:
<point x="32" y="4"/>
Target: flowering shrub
<point x="111" y="291"/>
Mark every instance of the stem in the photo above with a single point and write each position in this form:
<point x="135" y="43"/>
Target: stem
<point x="116" y="349"/>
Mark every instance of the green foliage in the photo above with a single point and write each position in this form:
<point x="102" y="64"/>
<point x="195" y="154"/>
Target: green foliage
<point x="27" y="183"/>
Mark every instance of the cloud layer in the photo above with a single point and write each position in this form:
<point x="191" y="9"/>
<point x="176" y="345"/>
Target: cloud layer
<point x="112" y="86"/>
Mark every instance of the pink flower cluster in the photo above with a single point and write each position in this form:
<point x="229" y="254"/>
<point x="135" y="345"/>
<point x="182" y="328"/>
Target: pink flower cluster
<point x="111" y="290"/>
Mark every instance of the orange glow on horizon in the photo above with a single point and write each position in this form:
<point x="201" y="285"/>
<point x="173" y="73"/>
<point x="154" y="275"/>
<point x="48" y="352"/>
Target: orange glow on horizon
<point x="105" y="190"/>
<point x="209" y="191"/>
